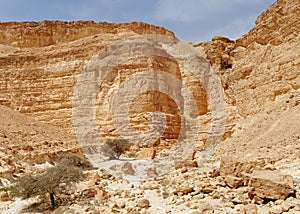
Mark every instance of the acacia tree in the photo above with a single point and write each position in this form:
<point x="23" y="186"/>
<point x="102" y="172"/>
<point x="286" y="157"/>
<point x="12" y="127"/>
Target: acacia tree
<point x="48" y="182"/>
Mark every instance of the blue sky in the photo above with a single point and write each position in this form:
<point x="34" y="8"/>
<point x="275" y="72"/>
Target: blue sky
<point x="190" y="20"/>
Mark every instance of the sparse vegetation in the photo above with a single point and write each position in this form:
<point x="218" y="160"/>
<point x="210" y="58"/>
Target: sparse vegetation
<point x="52" y="182"/>
<point x="69" y="159"/>
<point x="119" y="146"/>
<point x="225" y="65"/>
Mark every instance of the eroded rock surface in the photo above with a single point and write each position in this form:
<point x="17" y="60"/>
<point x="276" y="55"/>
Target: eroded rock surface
<point x="259" y="163"/>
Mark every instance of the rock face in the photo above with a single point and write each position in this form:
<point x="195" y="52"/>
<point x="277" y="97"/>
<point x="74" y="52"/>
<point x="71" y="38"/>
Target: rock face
<point x="276" y="25"/>
<point x="34" y="34"/>
<point x="50" y="68"/>
<point x="262" y="85"/>
<point x="40" y="79"/>
<point x="41" y="65"/>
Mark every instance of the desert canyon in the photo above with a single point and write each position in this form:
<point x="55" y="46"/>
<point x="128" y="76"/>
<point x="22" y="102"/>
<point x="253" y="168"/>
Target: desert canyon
<point x="229" y="140"/>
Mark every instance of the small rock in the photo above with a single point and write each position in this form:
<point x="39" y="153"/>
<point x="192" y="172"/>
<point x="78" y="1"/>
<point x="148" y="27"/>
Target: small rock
<point x="196" y="191"/>
<point x="269" y="167"/>
<point x="152" y="173"/>
<point x="165" y="195"/>
<point x="63" y="209"/>
<point x="88" y="193"/>
<point x="143" y="203"/>
<point x="205" y="206"/>
<point x="237" y="200"/>
<point x="258" y="200"/>
<point x="296" y="208"/>
<point x="149" y="185"/>
<point x="277" y="209"/>
<point x="121" y="204"/>
<point x="134" y="212"/>
<point x="196" y="212"/>
<point x="215" y="173"/>
<point x="187" y="163"/>
<point x="112" y="204"/>
<point x="250" y="209"/>
<point x="199" y="196"/>
<point x="233" y="182"/>
<point x="279" y="202"/>
<point x="216" y="195"/>
<point x="127" y="169"/>
<point x="183" y="169"/>
<point x="183" y="190"/>
<point x="286" y="205"/>
<point x="207" y="190"/>
<point x="246" y="178"/>
<point x="103" y="174"/>
<point x="232" y="166"/>
<point x="4" y="196"/>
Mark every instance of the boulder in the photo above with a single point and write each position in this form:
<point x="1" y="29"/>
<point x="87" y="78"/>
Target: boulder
<point x="146" y="154"/>
<point x="271" y="184"/>
<point x="127" y="168"/>
<point x="143" y="203"/>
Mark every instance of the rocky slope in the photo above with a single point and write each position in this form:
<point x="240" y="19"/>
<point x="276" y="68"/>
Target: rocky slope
<point x="27" y="141"/>
<point x="256" y="166"/>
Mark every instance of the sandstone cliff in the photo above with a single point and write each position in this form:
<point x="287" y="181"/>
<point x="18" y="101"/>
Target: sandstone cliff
<point x="263" y="80"/>
<point x="41" y="65"/>
<point x="35" y="34"/>
<point x="39" y="75"/>
<point x="40" y="79"/>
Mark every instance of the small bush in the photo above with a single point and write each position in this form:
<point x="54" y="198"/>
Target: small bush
<point x="225" y="65"/>
<point x="119" y="146"/>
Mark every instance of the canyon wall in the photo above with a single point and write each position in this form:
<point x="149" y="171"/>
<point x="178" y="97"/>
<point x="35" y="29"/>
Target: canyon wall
<point x="41" y="65"/>
<point x="262" y="83"/>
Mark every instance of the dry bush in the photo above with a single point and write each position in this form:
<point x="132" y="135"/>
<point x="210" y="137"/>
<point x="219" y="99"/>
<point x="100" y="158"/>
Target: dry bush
<point x="119" y="146"/>
<point x="52" y="182"/>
